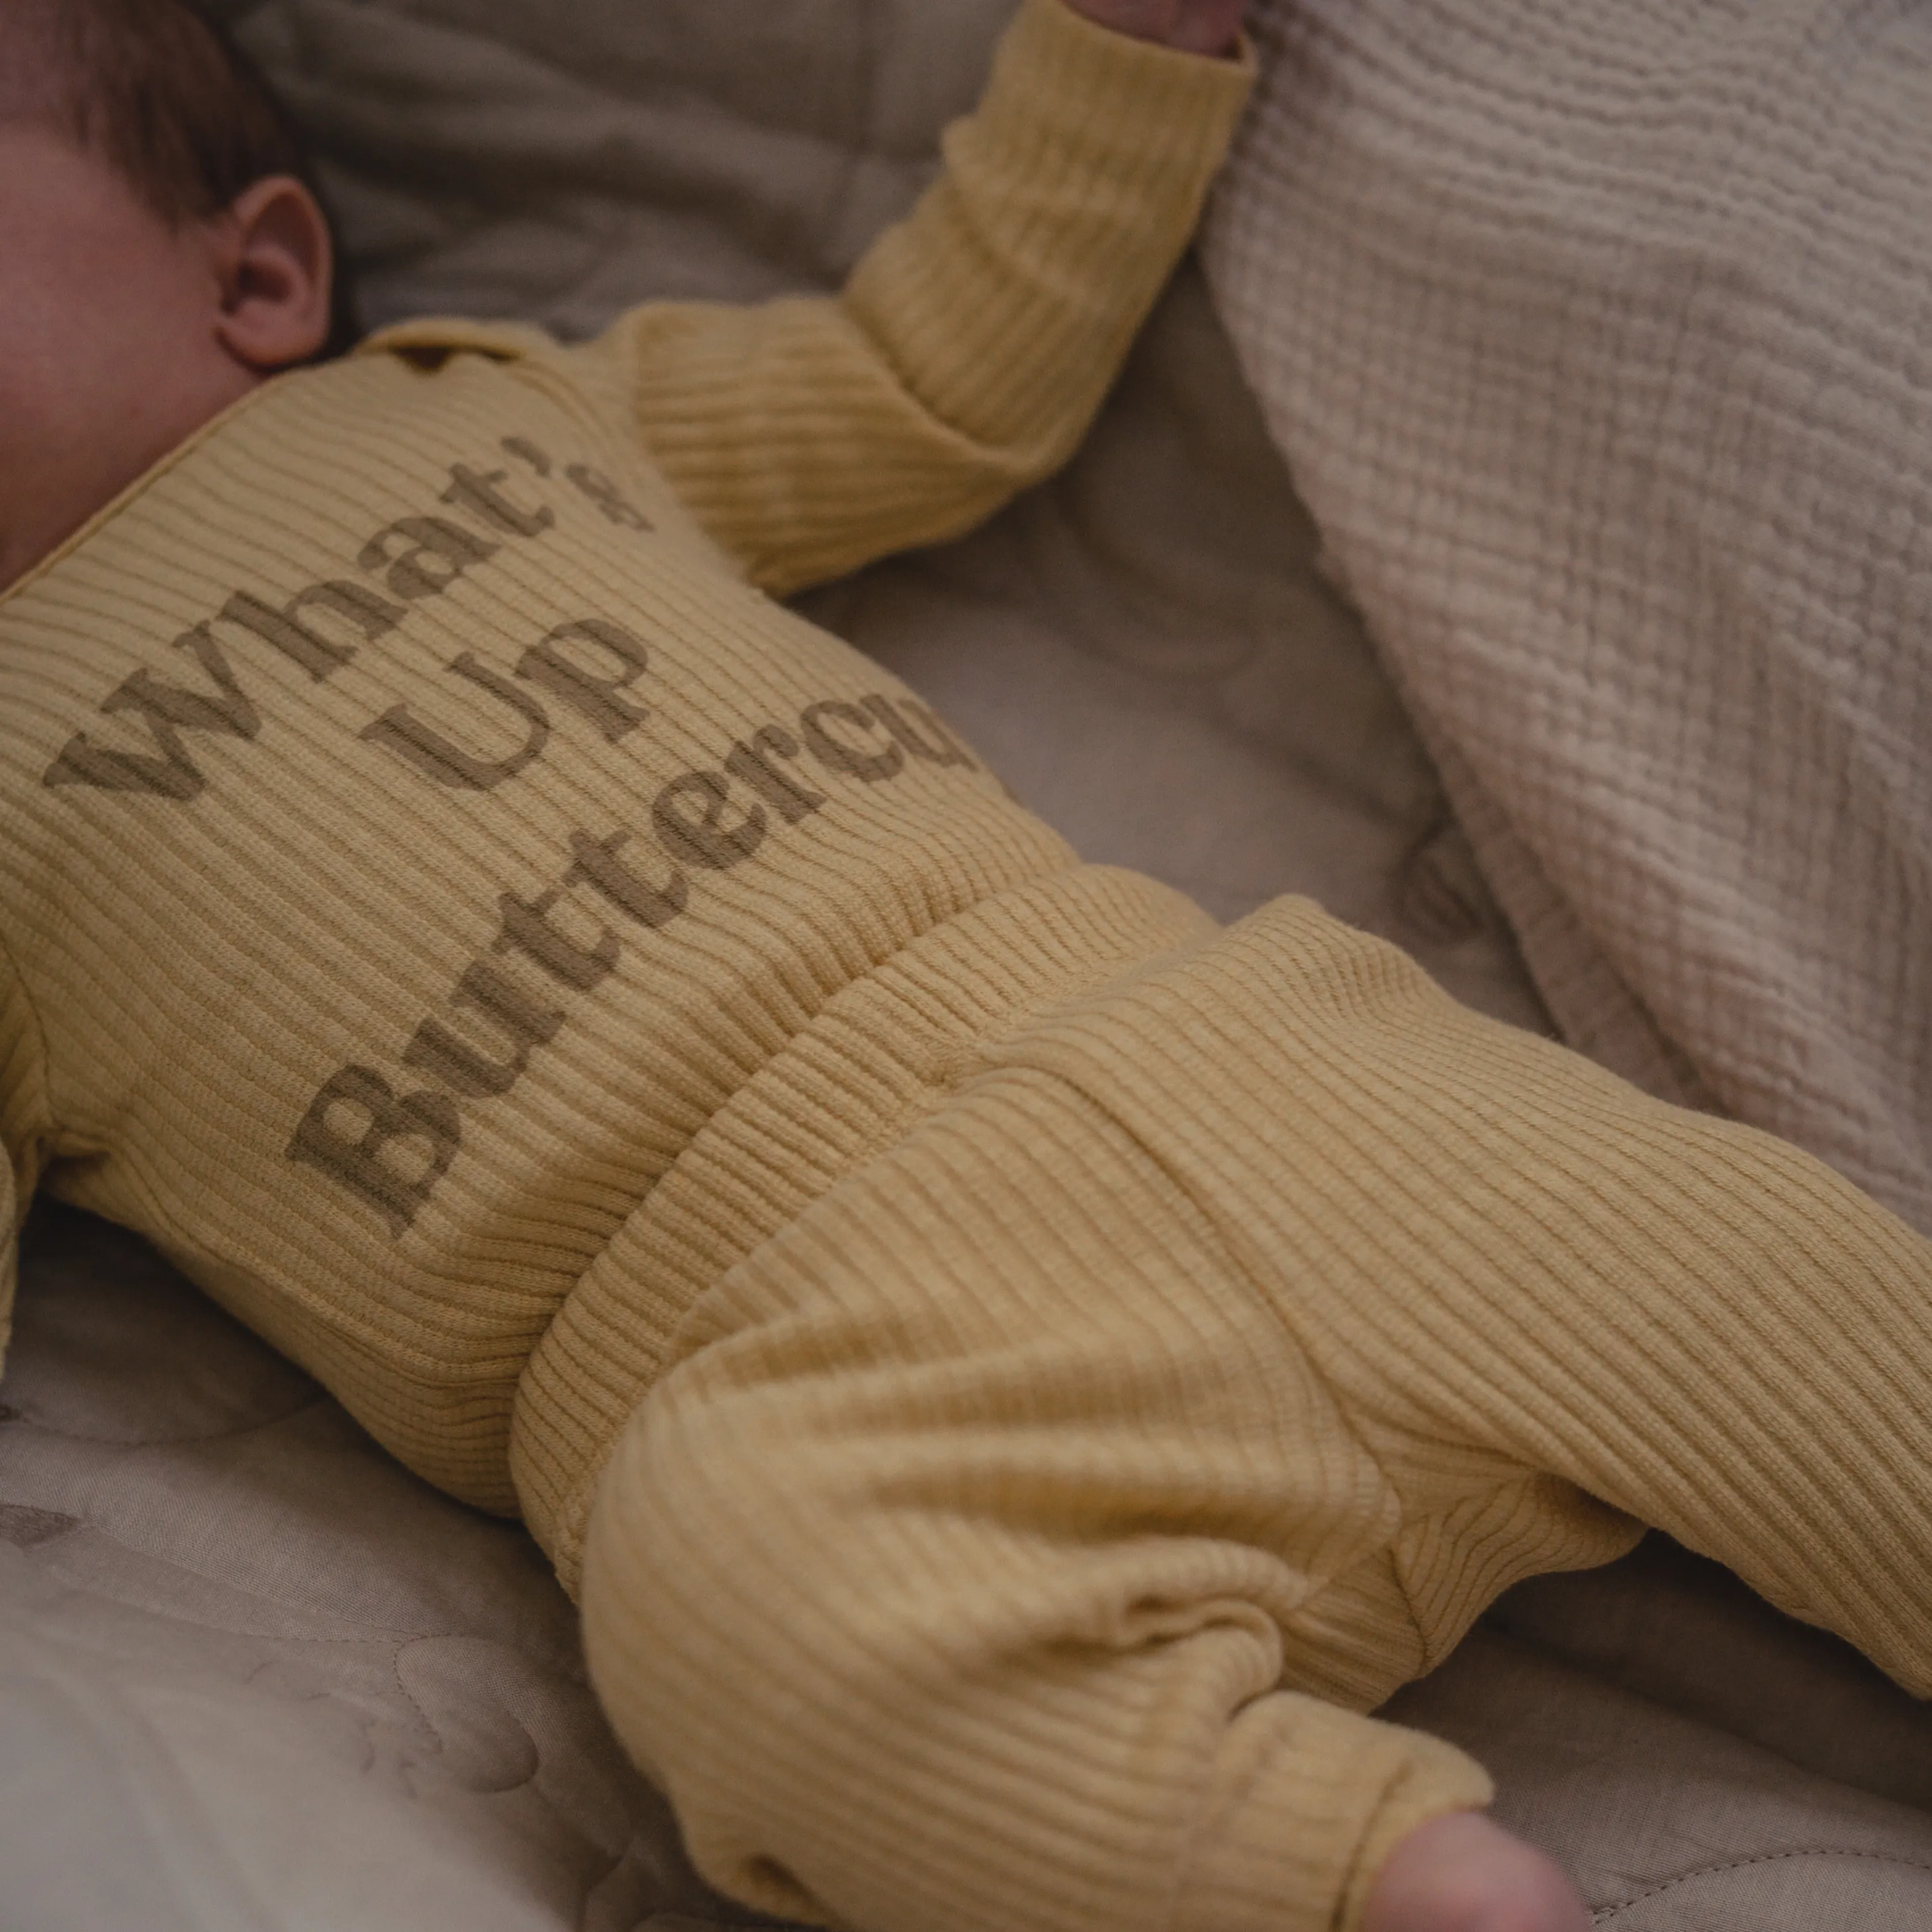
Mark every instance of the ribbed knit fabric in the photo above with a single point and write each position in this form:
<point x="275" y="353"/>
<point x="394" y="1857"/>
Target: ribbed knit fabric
<point x="1033" y="1367"/>
<point x="1230" y="1337"/>
<point x="415" y="830"/>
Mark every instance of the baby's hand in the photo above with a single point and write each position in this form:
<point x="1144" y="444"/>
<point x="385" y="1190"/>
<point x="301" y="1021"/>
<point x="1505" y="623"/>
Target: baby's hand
<point x="1193" y="26"/>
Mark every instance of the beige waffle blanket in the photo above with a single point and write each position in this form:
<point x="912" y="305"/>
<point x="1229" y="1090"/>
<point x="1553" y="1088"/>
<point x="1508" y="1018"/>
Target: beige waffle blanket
<point x="1600" y="342"/>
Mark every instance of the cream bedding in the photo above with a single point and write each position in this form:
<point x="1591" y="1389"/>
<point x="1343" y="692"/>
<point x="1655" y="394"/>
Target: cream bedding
<point x="253" y="1676"/>
<point x="1598" y="338"/>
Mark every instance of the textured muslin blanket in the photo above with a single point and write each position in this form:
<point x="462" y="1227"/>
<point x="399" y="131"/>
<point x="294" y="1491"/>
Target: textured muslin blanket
<point x="1600" y="342"/>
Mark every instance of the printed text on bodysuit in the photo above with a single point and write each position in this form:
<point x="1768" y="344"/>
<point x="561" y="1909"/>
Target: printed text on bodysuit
<point x="388" y="1144"/>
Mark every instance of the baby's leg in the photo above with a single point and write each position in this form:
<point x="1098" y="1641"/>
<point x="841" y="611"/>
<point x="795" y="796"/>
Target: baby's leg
<point x="950" y="1581"/>
<point x="1024" y="1521"/>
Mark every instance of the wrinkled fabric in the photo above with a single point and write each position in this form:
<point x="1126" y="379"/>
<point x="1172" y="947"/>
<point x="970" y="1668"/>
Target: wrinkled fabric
<point x="1596" y="342"/>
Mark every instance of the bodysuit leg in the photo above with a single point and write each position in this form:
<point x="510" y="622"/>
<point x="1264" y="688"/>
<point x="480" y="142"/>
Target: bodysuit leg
<point x="1025" y="1527"/>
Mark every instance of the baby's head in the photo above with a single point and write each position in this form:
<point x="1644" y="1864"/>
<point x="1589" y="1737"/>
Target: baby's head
<point x="160" y="255"/>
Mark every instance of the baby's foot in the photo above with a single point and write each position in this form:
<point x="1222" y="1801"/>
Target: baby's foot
<point x="1461" y="1873"/>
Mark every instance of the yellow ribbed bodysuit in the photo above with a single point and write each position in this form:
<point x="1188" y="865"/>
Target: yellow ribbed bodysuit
<point x="1011" y="1370"/>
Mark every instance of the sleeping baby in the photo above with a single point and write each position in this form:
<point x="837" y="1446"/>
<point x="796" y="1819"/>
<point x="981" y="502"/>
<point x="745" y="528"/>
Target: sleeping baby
<point x="1012" y="1371"/>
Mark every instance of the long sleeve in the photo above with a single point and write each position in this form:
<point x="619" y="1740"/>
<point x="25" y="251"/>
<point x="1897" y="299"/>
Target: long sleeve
<point x="975" y="340"/>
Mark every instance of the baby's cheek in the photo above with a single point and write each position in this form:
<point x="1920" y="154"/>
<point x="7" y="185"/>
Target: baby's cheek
<point x="108" y="354"/>
<point x="55" y="465"/>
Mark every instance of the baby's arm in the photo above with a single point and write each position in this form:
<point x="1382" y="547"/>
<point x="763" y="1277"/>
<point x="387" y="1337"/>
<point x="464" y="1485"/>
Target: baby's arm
<point x="974" y="342"/>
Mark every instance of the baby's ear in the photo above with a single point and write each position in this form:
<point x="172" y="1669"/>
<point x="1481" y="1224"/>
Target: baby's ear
<point x="275" y="264"/>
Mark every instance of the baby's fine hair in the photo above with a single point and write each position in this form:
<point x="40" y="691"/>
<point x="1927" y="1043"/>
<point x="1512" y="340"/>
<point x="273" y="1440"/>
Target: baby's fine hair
<point x="153" y="87"/>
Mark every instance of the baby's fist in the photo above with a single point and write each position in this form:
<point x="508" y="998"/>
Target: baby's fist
<point x="1192" y="26"/>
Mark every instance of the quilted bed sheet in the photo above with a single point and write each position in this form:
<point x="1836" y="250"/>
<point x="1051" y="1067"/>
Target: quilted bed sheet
<point x="255" y="1677"/>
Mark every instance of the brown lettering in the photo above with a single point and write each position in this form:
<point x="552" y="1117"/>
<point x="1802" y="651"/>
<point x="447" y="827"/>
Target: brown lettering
<point x="370" y="616"/>
<point x="434" y="553"/>
<point x="166" y="710"/>
<point x="598" y="866"/>
<point x="528" y="926"/>
<point x="838" y="756"/>
<point x="752" y="762"/>
<point x="382" y="1119"/>
<point x="703" y="838"/>
<point x="399" y="731"/>
<point x="549" y="665"/>
<point x="606" y="496"/>
<point x="936" y="747"/>
<point x="476" y="492"/>
<point x="455" y="1063"/>
<point x="525" y="450"/>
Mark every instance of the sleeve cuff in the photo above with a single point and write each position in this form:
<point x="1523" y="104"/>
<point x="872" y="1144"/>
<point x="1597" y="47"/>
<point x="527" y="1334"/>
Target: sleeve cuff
<point x="1309" y="1801"/>
<point x="1149" y="110"/>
